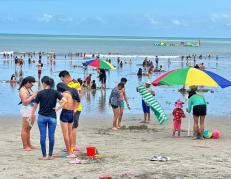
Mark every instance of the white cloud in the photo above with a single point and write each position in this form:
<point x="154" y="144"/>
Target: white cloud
<point x="45" y="18"/>
<point x="83" y="20"/>
<point x="176" y="22"/>
<point x="152" y="21"/>
<point x="220" y="17"/>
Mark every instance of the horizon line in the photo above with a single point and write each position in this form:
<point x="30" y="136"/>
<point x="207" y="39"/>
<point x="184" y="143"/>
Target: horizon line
<point x="130" y="36"/>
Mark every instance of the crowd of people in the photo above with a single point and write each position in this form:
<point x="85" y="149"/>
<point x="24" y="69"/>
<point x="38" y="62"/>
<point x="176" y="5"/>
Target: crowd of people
<point x="67" y="94"/>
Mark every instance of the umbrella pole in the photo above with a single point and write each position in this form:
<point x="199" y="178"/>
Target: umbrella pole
<point x="186" y="102"/>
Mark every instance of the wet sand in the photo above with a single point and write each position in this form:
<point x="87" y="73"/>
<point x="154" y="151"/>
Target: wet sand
<point x="125" y="153"/>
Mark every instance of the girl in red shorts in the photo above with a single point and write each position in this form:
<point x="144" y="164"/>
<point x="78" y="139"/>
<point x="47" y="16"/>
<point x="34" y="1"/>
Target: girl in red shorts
<point x="178" y="114"/>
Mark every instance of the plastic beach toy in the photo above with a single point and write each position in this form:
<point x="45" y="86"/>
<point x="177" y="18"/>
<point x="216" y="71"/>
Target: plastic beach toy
<point x="216" y="134"/>
<point x="207" y="134"/>
<point x="91" y="151"/>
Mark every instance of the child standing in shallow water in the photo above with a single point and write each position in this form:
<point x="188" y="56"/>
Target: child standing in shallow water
<point x="178" y="114"/>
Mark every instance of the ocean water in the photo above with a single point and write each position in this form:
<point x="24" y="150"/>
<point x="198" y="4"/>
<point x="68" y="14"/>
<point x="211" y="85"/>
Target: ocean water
<point x="134" y="48"/>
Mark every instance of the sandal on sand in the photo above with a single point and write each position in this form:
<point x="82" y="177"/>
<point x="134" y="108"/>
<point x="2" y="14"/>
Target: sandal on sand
<point x="75" y="161"/>
<point x="160" y="158"/>
<point x="71" y="156"/>
<point x="164" y="159"/>
<point x="155" y="158"/>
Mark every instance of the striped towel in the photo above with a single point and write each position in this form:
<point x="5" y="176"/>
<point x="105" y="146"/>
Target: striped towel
<point x="150" y="100"/>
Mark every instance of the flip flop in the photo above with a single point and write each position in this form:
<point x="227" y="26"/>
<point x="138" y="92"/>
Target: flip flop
<point x="155" y="158"/>
<point x="75" y="161"/>
<point x="71" y="156"/>
<point x="160" y="158"/>
<point x="164" y="159"/>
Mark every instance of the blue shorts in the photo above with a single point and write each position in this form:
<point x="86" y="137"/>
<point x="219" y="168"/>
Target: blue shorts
<point x="146" y="108"/>
<point x="67" y="116"/>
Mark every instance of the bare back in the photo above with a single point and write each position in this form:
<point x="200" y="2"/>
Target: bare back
<point x="70" y="103"/>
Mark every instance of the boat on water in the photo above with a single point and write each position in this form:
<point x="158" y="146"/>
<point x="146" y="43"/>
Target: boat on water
<point x="177" y="44"/>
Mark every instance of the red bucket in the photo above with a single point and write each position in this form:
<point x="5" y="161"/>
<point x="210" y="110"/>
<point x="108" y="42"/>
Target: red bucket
<point x="91" y="151"/>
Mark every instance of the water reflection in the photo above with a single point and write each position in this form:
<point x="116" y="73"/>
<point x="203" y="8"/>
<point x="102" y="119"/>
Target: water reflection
<point x="102" y="101"/>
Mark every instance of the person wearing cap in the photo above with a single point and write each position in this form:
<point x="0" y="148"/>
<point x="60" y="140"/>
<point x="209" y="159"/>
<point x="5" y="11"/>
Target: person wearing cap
<point x="178" y="114"/>
<point x="146" y="108"/>
<point x="70" y="82"/>
<point x="198" y="105"/>
<point x="27" y="97"/>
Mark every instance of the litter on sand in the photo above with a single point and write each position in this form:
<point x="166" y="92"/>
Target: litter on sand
<point x="160" y="158"/>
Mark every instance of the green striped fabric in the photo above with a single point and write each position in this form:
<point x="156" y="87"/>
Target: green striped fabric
<point x="150" y="100"/>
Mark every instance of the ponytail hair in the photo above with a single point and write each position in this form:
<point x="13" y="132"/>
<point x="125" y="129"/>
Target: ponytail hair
<point x="48" y="81"/>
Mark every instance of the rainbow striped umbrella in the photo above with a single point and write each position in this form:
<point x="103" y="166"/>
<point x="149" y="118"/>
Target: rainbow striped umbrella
<point x="102" y="64"/>
<point x="191" y="77"/>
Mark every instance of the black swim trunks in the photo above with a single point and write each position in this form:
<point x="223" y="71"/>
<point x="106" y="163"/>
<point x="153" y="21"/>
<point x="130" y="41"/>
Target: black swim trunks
<point x="114" y="106"/>
<point x="76" y="119"/>
<point x="67" y="116"/>
<point x="199" y="110"/>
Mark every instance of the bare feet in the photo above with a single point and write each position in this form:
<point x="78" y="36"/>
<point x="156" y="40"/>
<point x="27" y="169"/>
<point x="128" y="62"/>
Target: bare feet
<point x="50" y="158"/>
<point x="27" y="149"/>
<point x="114" y="128"/>
<point x="42" y="158"/>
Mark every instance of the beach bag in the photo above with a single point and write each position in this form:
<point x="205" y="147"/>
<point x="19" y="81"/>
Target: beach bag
<point x="150" y="100"/>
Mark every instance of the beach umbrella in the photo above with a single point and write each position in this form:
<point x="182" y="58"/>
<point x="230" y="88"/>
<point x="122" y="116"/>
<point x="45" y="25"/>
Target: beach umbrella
<point x="191" y="77"/>
<point x="101" y="64"/>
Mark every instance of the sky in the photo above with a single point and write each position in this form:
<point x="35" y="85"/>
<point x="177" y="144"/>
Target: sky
<point x="156" y="18"/>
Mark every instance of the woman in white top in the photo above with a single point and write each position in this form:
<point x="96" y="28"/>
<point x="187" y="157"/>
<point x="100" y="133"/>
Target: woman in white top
<point x="27" y="96"/>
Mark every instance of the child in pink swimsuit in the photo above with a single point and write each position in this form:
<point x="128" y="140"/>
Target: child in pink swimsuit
<point x="178" y="114"/>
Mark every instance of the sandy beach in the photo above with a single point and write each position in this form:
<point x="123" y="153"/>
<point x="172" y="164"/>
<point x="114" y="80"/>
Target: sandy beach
<point x="125" y="153"/>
